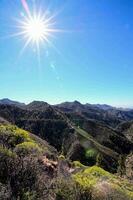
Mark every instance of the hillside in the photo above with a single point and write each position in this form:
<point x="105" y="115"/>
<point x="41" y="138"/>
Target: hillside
<point x="71" y="133"/>
<point x="22" y="162"/>
<point x="32" y="169"/>
<point x="47" y="123"/>
<point x="56" y="152"/>
<point x="127" y="129"/>
<point x="103" y="113"/>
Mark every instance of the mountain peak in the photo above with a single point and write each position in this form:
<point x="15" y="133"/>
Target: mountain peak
<point x="77" y="102"/>
<point x="41" y="105"/>
<point x="11" y="102"/>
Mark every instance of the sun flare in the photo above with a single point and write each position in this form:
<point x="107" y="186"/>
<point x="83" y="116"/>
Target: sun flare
<point x="35" y="29"/>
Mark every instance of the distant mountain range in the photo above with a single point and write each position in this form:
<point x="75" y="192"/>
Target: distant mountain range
<point x="105" y="114"/>
<point x="65" y="104"/>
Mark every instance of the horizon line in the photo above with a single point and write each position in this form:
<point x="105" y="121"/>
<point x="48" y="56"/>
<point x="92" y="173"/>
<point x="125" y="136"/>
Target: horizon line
<point x="71" y="101"/>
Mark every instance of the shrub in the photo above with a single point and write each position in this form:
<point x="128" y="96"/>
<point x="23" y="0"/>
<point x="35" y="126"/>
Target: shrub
<point x="70" y="190"/>
<point x="61" y="157"/>
<point x="27" y="148"/>
<point x="78" y="164"/>
<point x="97" y="172"/>
<point x="95" y="179"/>
<point x="91" y="155"/>
<point x="7" y="160"/>
<point x="10" y="136"/>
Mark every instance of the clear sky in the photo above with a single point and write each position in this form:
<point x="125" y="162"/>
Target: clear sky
<point x="94" y="58"/>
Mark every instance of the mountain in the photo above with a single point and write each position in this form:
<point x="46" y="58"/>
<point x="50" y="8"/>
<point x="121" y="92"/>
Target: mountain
<point x="10" y="102"/>
<point x="38" y="105"/>
<point x="47" y="123"/>
<point x="103" y="113"/>
<point x="71" y="133"/>
<point x="32" y="169"/>
<point x="69" y="151"/>
<point x="103" y="106"/>
<point x="76" y="104"/>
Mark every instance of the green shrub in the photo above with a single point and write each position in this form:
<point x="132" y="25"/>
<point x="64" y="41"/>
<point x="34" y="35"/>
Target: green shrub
<point x="97" y="172"/>
<point x="91" y="155"/>
<point x="70" y="190"/>
<point x="77" y="164"/>
<point x="61" y="157"/>
<point x="92" y="177"/>
<point x="10" y="135"/>
<point x="27" y="148"/>
<point x="4" y="152"/>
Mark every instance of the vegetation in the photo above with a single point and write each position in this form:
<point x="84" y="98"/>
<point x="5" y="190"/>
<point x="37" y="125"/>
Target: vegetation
<point x="91" y="155"/>
<point x="61" y="157"/>
<point x="78" y="164"/>
<point x="22" y="164"/>
<point x="11" y="136"/>
<point x="27" y="148"/>
<point x="95" y="179"/>
<point x="32" y="169"/>
<point x="69" y="190"/>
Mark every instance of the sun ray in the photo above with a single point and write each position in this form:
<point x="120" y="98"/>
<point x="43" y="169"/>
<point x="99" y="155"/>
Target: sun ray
<point x="38" y="55"/>
<point x="24" y="47"/>
<point x="13" y="35"/>
<point x="52" y="45"/>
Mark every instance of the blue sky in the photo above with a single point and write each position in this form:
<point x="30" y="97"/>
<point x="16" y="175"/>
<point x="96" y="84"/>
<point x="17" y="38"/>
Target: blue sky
<point x="94" y="62"/>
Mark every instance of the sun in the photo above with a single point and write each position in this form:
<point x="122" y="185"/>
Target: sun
<point x="35" y="26"/>
<point x="35" y="29"/>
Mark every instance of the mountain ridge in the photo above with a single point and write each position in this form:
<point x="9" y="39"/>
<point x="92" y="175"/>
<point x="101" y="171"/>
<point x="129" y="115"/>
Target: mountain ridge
<point x="98" y="105"/>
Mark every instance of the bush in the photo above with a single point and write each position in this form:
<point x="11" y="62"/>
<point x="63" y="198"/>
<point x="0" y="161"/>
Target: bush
<point x="91" y="155"/>
<point x="10" y="136"/>
<point x="70" y="190"/>
<point x="7" y="161"/>
<point x="61" y="157"/>
<point x="78" y="164"/>
<point x="100" y="182"/>
<point x="27" y="148"/>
